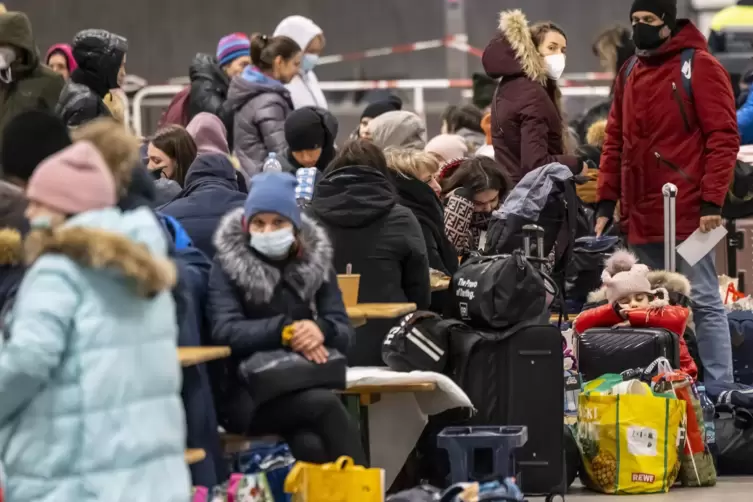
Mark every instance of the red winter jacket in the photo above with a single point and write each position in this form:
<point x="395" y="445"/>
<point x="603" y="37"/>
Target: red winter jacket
<point x="672" y="318"/>
<point x="657" y="134"/>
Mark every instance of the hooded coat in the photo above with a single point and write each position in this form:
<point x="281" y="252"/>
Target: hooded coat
<point x="251" y="300"/>
<point x="11" y="265"/>
<point x="261" y="105"/>
<point x="383" y="242"/>
<point x="99" y="55"/>
<point x="674" y="318"/>
<point x="399" y="129"/>
<point x="90" y="359"/>
<point x="656" y="134"/>
<point x="527" y="121"/>
<point x="209" y="88"/>
<point x="304" y="88"/>
<point x="210" y="191"/>
<point x="209" y="133"/>
<point x="33" y="85"/>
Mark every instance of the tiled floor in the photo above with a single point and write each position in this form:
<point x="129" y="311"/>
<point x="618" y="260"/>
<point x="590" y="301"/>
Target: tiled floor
<point x="729" y="489"/>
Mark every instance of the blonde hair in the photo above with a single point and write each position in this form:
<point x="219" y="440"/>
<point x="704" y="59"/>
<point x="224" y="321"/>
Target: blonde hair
<point x="411" y="163"/>
<point x="119" y="147"/>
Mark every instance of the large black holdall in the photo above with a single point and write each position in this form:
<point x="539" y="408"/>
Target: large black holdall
<point x="515" y="377"/>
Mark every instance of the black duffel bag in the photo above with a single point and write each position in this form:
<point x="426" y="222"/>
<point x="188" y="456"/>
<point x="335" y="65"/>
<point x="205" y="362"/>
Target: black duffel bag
<point x="734" y="440"/>
<point x="270" y="374"/>
<point x="419" y="342"/>
<point x="499" y="291"/>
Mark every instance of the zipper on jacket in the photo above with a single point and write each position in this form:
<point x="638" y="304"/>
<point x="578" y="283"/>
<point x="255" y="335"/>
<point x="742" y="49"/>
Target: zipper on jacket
<point x="678" y="99"/>
<point x="672" y="166"/>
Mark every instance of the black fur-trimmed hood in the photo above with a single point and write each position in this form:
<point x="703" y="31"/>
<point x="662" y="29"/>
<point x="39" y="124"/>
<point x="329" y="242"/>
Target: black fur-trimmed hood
<point x="259" y="279"/>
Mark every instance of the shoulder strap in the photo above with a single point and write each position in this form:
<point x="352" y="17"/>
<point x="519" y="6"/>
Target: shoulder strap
<point x="686" y="68"/>
<point x="629" y="68"/>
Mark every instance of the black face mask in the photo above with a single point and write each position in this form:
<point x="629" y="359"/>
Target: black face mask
<point x="647" y="37"/>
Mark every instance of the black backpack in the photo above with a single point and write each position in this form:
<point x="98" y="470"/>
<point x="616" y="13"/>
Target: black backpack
<point x="419" y="342"/>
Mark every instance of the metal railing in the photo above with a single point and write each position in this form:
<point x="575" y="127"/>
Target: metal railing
<point x="418" y="86"/>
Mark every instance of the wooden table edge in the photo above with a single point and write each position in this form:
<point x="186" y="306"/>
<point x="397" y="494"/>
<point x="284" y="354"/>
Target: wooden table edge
<point x="194" y="455"/>
<point x="209" y="354"/>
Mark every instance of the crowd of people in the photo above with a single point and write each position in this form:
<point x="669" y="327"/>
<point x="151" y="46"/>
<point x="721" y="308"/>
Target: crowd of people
<point x="114" y="247"/>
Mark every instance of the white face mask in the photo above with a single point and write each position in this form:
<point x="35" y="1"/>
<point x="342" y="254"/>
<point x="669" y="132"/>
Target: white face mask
<point x="555" y="65"/>
<point x="7" y="57"/>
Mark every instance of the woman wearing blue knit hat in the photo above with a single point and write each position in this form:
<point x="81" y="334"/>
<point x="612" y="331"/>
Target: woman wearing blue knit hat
<point x="272" y="287"/>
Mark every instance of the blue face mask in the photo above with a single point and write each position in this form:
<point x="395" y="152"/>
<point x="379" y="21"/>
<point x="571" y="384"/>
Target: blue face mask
<point x="309" y="62"/>
<point x="40" y="222"/>
<point x="275" y="245"/>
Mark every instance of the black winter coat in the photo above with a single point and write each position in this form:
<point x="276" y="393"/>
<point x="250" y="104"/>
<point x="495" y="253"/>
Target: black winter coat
<point x="251" y="300"/>
<point x="209" y="86"/>
<point x="429" y="211"/>
<point x="381" y="239"/>
<point x="11" y="266"/>
<point x="99" y="55"/>
<point x="210" y="191"/>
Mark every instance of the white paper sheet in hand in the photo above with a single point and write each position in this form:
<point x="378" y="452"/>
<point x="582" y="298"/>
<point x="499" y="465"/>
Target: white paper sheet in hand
<point x="700" y="244"/>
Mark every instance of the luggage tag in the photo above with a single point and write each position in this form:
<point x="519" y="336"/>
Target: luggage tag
<point x="573" y="386"/>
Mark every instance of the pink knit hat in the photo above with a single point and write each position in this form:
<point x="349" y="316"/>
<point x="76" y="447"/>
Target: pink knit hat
<point x="624" y="276"/>
<point x="447" y="146"/>
<point x="74" y="180"/>
<point x="209" y="134"/>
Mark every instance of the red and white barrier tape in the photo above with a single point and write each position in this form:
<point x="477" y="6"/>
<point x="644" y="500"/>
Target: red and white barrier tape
<point x="459" y="42"/>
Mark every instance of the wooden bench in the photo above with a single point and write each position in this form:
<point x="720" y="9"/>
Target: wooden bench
<point x="439" y="283"/>
<point x="194" y="456"/>
<point x="191" y="356"/>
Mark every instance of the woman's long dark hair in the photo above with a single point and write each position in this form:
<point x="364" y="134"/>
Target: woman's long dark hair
<point x="478" y="174"/>
<point x="177" y="144"/>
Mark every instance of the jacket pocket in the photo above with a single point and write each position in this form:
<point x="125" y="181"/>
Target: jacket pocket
<point x="683" y="112"/>
<point x="673" y="166"/>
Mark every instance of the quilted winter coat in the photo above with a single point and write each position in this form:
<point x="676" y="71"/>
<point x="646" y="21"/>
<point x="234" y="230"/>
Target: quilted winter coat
<point x="261" y="105"/>
<point x="89" y="373"/>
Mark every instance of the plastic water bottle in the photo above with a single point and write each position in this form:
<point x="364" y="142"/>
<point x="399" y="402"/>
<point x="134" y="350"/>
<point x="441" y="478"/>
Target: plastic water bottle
<point x="271" y="164"/>
<point x="709" y="411"/>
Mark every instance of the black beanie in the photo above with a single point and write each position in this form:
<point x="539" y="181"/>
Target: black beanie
<point x="304" y="130"/>
<point x="664" y="9"/>
<point x="391" y="104"/>
<point x="28" y="139"/>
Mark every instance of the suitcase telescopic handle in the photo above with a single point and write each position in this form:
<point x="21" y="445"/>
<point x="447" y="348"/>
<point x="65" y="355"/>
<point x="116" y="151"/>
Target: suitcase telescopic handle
<point x="669" y="191"/>
<point x="538" y="233"/>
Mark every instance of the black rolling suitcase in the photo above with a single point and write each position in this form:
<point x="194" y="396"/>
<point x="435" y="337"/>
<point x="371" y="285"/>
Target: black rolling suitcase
<point x="614" y="350"/>
<point x="514" y="377"/>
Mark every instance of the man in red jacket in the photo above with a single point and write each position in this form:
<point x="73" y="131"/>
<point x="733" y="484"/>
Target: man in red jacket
<point x="672" y="120"/>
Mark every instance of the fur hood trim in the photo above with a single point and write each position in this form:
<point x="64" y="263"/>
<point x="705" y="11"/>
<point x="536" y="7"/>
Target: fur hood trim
<point x="102" y="250"/>
<point x="259" y="279"/>
<point x="11" y="247"/>
<point x="514" y="27"/>
<point x="659" y="279"/>
<point x="597" y="133"/>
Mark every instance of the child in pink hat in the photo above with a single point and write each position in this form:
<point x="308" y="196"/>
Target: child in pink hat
<point x="631" y="301"/>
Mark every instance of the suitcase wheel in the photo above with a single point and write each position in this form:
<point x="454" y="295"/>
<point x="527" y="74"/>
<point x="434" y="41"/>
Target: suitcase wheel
<point x="555" y="497"/>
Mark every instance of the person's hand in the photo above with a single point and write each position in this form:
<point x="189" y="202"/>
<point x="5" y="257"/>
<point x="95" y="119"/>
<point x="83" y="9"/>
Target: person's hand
<point x="601" y="224"/>
<point x="306" y="336"/>
<point x="319" y="355"/>
<point x="709" y="223"/>
<point x="584" y="171"/>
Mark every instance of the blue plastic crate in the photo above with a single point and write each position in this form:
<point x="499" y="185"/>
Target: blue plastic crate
<point x="461" y="442"/>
